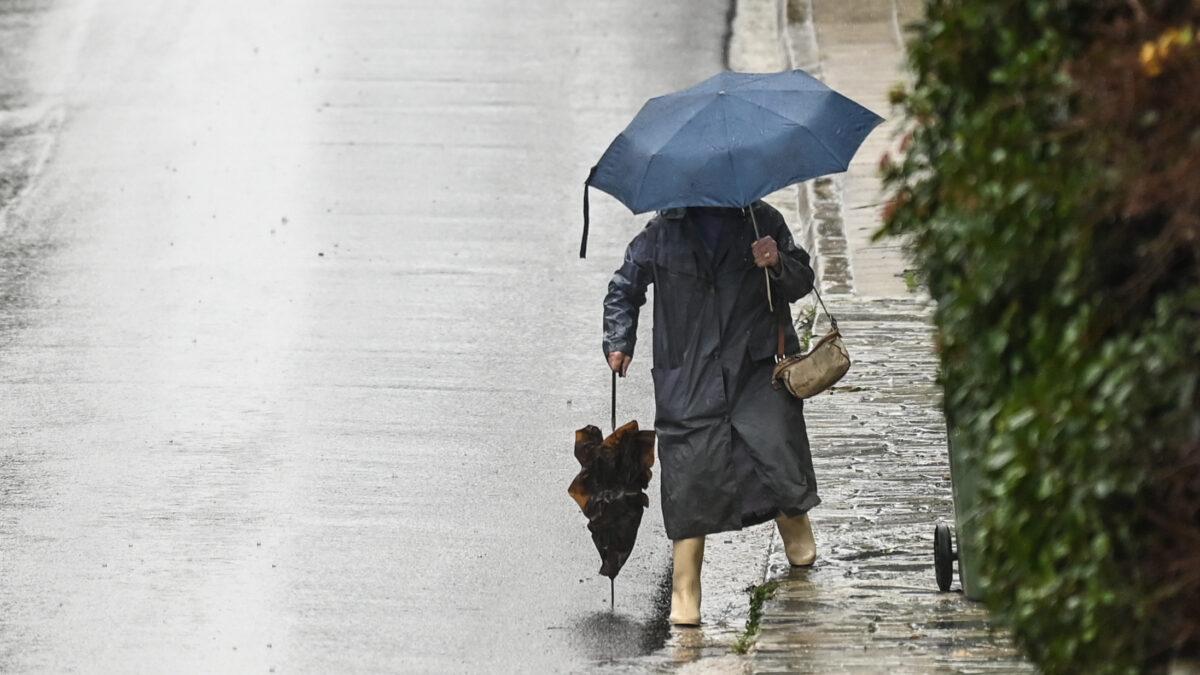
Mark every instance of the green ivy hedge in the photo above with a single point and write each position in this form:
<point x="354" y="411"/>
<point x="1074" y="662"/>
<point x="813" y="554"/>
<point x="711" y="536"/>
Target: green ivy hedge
<point x="1050" y="194"/>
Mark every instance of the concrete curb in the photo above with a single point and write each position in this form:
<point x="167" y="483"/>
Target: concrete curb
<point x="29" y="134"/>
<point x="737" y="560"/>
<point x="27" y="140"/>
<point x="759" y="41"/>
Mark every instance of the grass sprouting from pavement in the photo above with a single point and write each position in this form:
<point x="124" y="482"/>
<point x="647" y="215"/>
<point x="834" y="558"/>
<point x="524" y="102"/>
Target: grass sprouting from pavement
<point x="758" y="596"/>
<point x="805" y="326"/>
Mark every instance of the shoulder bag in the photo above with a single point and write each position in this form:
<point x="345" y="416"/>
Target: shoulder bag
<point x="806" y="375"/>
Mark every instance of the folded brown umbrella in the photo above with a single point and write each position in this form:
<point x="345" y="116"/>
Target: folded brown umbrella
<point x="610" y="489"/>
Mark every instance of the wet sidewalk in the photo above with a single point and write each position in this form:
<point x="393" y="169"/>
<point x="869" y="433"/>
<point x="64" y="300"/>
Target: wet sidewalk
<point x="871" y="602"/>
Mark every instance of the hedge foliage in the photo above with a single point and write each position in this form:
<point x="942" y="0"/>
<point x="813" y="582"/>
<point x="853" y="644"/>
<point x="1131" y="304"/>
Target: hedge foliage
<point x="1050" y="191"/>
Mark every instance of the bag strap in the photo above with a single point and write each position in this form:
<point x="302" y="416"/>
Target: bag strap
<point x="832" y="321"/>
<point x="779" y="353"/>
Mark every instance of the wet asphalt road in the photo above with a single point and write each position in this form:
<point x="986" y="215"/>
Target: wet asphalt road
<point x="294" y="339"/>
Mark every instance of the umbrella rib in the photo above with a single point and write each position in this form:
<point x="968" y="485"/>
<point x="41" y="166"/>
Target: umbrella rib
<point x="819" y="140"/>
<point x="749" y="79"/>
<point x="729" y="154"/>
<point x="642" y="181"/>
<point x="654" y="155"/>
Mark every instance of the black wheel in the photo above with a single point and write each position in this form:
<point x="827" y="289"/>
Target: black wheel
<point x="943" y="556"/>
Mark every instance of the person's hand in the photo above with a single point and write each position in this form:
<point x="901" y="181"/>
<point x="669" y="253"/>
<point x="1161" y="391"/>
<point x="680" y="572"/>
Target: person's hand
<point x="766" y="252"/>
<point x="619" y="362"/>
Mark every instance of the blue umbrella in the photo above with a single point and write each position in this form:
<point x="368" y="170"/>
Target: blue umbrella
<point x="732" y="139"/>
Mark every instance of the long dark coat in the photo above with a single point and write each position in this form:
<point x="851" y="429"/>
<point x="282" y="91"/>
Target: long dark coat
<point x="734" y="451"/>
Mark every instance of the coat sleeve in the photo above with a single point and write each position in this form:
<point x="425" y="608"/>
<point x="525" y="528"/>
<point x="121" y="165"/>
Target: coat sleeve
<point x="793" y="277"/>
<point x="627" y="294"/>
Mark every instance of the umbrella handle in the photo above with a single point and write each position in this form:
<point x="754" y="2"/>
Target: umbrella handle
<point x="770" y="304"/>
<point x="766" y="274"/>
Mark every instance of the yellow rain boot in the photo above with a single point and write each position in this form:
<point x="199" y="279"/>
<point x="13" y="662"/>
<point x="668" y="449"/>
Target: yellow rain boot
<point x="798" y="541"/>
<point x="685" y="582"/>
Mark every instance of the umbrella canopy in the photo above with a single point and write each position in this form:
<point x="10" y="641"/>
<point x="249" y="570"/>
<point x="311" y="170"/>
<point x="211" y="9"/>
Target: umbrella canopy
<point x="610" y="488"/>
<point x="728" y="141"/>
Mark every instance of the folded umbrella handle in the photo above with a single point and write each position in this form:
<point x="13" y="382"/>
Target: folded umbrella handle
<point x="614" y="401"/>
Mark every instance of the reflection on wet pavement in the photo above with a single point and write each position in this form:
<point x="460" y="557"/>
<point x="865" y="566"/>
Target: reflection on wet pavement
<point x="616" y="640"/>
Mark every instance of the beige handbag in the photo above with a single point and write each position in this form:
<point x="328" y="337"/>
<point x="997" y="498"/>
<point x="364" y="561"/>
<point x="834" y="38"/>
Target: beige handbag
<point x="806" y="375"/>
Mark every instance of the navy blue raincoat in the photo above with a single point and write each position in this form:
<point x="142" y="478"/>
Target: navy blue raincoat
<point x="734" y="451"/>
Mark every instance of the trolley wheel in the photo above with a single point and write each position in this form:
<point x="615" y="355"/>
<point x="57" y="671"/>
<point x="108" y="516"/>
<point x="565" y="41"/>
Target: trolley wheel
<point x="943" y="556"/>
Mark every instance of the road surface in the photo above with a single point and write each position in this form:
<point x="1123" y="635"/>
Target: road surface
<point x="294" y="338"/>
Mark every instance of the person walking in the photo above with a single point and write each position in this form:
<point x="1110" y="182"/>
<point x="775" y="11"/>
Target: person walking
<point x="734" y="450"/>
